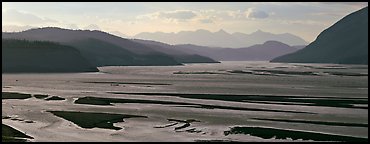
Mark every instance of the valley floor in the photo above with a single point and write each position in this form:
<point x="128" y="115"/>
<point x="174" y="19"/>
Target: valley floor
<point x="228" y="101"/>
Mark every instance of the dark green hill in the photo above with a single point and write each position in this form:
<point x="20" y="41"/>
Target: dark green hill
<point x="37" y="56"/>
<point x="176" y="52"/>
<point x="101" y="53"/>
<point x="345" y="42"/>
<point x="109" y="50"/>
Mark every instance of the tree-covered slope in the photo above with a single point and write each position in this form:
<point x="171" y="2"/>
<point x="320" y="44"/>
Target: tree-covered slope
<point x="345" y="42"/>
<point x="38" y="56"/>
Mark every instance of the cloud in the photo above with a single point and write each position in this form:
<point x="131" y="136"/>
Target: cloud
<point x="227" y="15"/>
<point x="92" y="27"/>
<point x="251" y="13"/>
<point x="303" y="22"/>
<point x="204" y="16"/>
<point x="73" y="26"/>
<point x="177" y="15"/>
<point x="348" y="3"/>
<point x="14" y="16"/>
<point x="206" y="21"/>
<point x="336" y="14"/>
<point x="15" y="28"/>
<point x="235" y="14"/>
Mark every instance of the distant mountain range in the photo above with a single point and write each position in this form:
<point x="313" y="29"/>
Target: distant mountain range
<point x="345" y="42"/>
<point x="178" y="53"/>
<point x="62" y="50"/>
<point x="104" y="49"/>
<point x="259" y="52"/>
<point x="221" y="38"/>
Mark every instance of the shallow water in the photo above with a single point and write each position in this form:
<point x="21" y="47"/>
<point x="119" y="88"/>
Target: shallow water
<point x="315" y="92"/>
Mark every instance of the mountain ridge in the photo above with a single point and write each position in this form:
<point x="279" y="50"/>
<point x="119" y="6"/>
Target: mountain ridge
<point x="141" y="53"/>
<point x="220" y="38"/>
<point x="345" y="42"/>
<point x="258" y="52"/>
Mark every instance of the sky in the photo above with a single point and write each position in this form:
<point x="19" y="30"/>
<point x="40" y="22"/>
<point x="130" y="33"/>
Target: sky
<point x="304" y="19"/>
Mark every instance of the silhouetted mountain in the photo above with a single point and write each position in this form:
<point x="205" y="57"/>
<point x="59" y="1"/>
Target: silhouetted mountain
<point x="299" y="46"/>
<point x="101" y="53"/>
<point x="221" y="38"/>
<point x="345" y="42"/>
<point x="117" y="33"/>
<point x="36" y="56"/>
<point x="260" y="37"/>
<point x="103" y="49"/>
<point x="260" y="52"/>
<point x="65" y="36"/>
<point x="179" y="55"/>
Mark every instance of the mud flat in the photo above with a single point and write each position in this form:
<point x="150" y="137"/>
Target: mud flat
<point x="269" y="99"/>
<point x="189" y="107"/>
<point x="197" y="72"/>
<point x="316" y="122"/>
<point x="268" y="133"/>
<point x="10" y="134"/>
<point x="55" y="98"/>
<point x="40" y="96"/>
<point x="94" y="120"/>
<point x="130" y="83"/>
<point x="108" y="101"/>
<point x="347" y="74"/>
<point x="14" y="95"/>
<point x="288" y="72"/>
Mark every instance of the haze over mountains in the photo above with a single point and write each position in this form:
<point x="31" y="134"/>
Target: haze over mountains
<point x="221" y="38"/>
<point x="259" y="52"/>
<point x="103" y="49"/>
<point x="345" y="42"/>
<point x="97" y="48"/>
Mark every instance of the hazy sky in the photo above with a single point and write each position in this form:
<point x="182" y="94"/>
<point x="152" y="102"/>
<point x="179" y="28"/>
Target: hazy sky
<point x="305" y="19"/>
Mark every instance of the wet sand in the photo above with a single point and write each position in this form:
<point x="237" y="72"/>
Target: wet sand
<point x="189" y="107"/>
